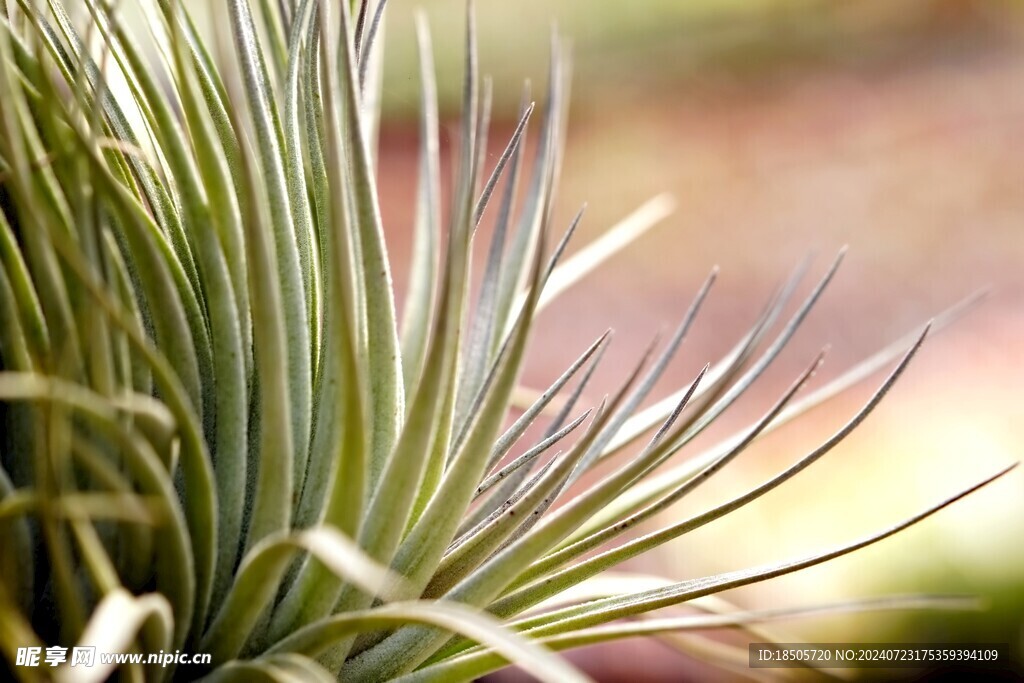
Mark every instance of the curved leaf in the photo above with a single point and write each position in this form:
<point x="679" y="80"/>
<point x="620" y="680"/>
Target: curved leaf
<point x="318" y="637"/>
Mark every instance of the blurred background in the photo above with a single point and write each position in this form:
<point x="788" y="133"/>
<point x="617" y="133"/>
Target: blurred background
<point x="788" y="128"/>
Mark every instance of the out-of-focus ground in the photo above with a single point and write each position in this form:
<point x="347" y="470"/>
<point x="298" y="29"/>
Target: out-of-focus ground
<point x="785" y="130"/>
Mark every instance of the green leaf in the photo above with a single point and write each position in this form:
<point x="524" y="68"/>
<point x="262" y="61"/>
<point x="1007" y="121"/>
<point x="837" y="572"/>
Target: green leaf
<point x="512" y="435"/>
<point x="340" y="422"/>
<point x="16" y="632"/>
<point x="616" y="238"/>
<point x="650" y="379"/>
<point x="485" y="323"/>
<point x="176" y="569"/>
<point x="113" y="627"/>
<point x="476" y="360"/>
<point x="720" y="377"/>
<point x="28" y="310"/>
<point x="479" y="663"/>
<point x="424" y="545"/>
<point x="14" y="349"/>
<point x="610" y="609"/>
<point x="200" y="504"/>
<point x="285" y="668"/>
<point x="528" y="457"/>
<point x="469" y="552"/>
<point x="365" y="51"/>
<point x="155" y="192"/>
<point x="271" y="183"/>
<point x="651" y="489"/>
<point x="276" y="476"/>
<point x="417" y="644"/>
<point x="19" y="144"/>
<point x="315" y="589"/>
<point x="534" y="593"/>
<point x="380" y="341"/>
<point x="568" y="553"/>
<point x="316" y="638"/>
<point x="539" y="195"/>
<point x="455" y="288"/>
<point x="297" y="189"/>
<point x="141" y="379"/>
<point x="230" y="386"/>
<point x="426" y="252"/>
<point x="258" y="577"/>
<point x="17" y="562"/>
<point x="341" y="437"/>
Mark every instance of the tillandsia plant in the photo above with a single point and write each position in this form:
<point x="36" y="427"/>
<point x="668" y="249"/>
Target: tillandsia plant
<point x="221" y="445"/>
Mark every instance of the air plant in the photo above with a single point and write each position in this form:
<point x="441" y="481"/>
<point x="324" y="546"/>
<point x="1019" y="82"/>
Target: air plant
<point x="217" y="437"/>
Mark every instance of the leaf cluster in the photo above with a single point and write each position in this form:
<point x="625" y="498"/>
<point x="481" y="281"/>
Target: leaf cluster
<point x="220" y="438"/>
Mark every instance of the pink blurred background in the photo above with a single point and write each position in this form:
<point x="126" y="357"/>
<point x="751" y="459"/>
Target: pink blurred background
<point x="786" y="129"/>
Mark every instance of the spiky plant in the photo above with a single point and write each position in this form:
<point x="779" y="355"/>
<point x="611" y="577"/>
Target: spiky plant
<point x="217" y="437"/>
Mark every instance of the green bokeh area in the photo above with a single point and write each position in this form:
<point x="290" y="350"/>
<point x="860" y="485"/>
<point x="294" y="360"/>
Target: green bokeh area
<point x="621" y="46"/>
